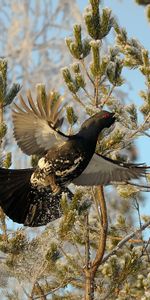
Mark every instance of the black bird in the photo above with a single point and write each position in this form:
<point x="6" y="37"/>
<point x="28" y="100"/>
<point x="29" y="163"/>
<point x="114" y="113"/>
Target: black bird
<point x="32" y="196"/>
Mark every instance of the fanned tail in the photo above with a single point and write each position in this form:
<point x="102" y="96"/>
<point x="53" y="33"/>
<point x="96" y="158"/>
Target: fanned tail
<point x="26" y="204"/>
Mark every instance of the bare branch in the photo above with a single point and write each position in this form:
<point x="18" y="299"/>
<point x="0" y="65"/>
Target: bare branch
<point x="60" y="286"/>
<point x="103" y="230"/>
<point x="108" y="96"/>
<point x="126" y="239"/>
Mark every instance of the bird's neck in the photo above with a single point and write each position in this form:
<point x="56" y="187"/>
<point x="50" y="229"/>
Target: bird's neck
<point x="90" y="135"/>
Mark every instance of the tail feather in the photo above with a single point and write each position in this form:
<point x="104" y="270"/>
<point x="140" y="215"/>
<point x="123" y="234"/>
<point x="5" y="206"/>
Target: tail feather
<point x="14" y="190"/>
<point x="26" y="204"/>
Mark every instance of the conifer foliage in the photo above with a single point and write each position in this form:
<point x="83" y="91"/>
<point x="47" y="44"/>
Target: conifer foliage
<point x="94" y="251"/>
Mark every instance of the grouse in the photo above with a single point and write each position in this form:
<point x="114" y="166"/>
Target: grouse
<point x="32" y="196"/>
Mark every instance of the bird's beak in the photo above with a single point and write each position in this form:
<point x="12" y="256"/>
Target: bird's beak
<point x="113" y="116"/>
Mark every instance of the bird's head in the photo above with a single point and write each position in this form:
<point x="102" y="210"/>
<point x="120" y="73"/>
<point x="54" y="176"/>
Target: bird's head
<point x="101" y="120"/>
<point x="95" y="124"/>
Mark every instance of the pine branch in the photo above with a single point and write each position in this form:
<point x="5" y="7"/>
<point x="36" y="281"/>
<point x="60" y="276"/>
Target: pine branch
<point x="60" y="286"/>
<point x="125" y="143"/>
<point x="132" y="241"/>
<point x="103" y="231"/>
<point x="3" y="225"/>
<point x="87" y="242"/>
<point x="37" y="289"/>
<point x="142" y="2"/>
<point x="91" y="268"/>
<point x="89" y="283"/>
<point x="125" y="240"/>
<point x="86" y="71"/>
<point x="107" y="97"/>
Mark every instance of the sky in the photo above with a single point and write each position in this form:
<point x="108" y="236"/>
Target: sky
<point x="132" y="17"/>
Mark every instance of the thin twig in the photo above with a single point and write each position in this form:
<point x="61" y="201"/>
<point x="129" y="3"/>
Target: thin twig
<point x="145" y="250"/>
<point x="89" y="281"/>
<point x="108" y="96"/>
<point x="136" y="204"/>
<point x="133" y="241"/>
<point x="87" y="242"/>
<point x="69" y="258"/>
<point x="62" y="285"/>
<point x="87" y="94"/>
<point x="77" y="249"/>
<point x="3" y="225"/>
<point x="102" y="80"/>
<point x="123" y="241"/>
<point x="40" y="291"/>
<point x="96" y="203"/>
<point x="141" y="126"/>
<point x="75" y="96"/>
<point x="96" y="90"/>
<point x="126" y="143"/>
<point x="145" y="133"/>
<point x="134" y="184"/>
<point x="87" y="73"/>
<point x="37" y="288"/>
<point x="32" y="292"/>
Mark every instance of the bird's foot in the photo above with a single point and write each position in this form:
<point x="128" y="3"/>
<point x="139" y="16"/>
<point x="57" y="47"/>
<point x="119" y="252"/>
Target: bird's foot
<point x="55" y="190"/>
<point x="51" y="180"/>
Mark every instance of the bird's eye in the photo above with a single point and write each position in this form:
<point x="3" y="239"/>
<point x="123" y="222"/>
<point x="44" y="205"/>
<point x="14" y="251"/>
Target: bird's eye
<point x="106" y="115"/>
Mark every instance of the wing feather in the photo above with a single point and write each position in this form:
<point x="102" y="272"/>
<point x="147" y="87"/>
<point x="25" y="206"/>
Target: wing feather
<point x="103" y="171"/>
<point x="33" y="126"/>
<point x="23" y="104"/>
<point x="32" y="105"/>
<point x="40" y="107"/>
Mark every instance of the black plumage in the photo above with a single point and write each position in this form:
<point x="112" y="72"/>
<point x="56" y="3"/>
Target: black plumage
<point x="26" y="204"/>
<point x="32" y="196"/>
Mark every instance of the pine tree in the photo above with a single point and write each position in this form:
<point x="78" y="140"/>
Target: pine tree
<point x="143" y="2"/>
<point x="147" y="4"/>
<point x="94" y="251"/>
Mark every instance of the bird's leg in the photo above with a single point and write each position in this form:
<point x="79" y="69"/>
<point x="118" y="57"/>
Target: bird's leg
<point x="50" y="180"/>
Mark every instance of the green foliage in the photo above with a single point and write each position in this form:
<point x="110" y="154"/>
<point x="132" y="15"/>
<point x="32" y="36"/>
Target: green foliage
<point x="7" y="161"/>
<point x="71" y="116"/>
<point x="71" y="84"/>
<point x="53" y="253"/>
<point x="3" y="78"/>
<point x="95" y="65"/>
<point x="98" y="25"/>
<point x="41" y="93"/>
<point x="15" y="244"/>
<point x="12" y="93"/>
<point x="114" y="71"/>
<point x="132" y="110"/>
<point x="142" y="2"/>
<point x="111" y="142"/>
<point x="3" y="130"/>
<point x="78" y="48"/>
<point x="34" y="160"/>
<point x="6" y="96"/>
<point x="148" y="12"/>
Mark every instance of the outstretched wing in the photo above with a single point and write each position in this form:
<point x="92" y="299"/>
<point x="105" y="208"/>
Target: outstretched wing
<point x="36" y="126"/>
<point x="103" y="171"/>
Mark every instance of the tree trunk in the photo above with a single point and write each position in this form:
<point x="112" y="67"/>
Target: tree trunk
<point x="89" y="285"/>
